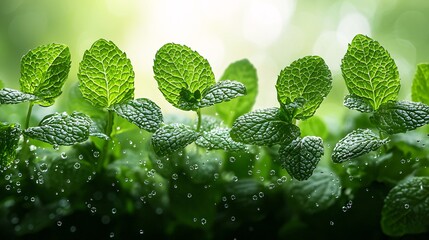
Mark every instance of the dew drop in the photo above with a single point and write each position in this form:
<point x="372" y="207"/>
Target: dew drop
<point x="76" y="165"/>
<point x="406" y="206"/>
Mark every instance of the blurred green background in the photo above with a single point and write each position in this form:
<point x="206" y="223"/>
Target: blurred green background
<point x="270" y="33"/>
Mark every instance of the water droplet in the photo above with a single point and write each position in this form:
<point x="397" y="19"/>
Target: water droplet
<point x="43" y="167"/>
<point x="255" y="197"/>
<point x="93" y="209"/>
<point x="272" y="172"/>
<point x="203" y="221"/>
<point x="189" y="195"/>
<point x="7" y="177"/>
<point x="80" y="156"/>
<point x="141" y="231"/>
<point x="233" y="197"/>
<point x="112" y="235"/>
<point x="64" y="155"/>
<point x="232" y="218"/>
<point x="406" y="206"/>
<point x="55" y="147"/>
<point x="232" y="159"/>
<point x="261" y="194"/>
<point x="235" y="179"/>
<point x="59" y="223"/>
<point x="113" y="210"/>
<point x="331" y="223"/>
<point x="96" y="154"/>
<point x="174" y="176"/>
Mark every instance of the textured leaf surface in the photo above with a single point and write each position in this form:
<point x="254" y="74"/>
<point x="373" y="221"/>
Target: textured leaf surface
<point x="318" y="192"/>
<point x="263" y="127"/>
<point x="242" y="71"/>
<point x="402" y="116"/>
<point x="43" y="72"/>
<point x="62" y="129"/>
<point x="222" y="91"/>
<point x="406" y="208"/>
<point x="142" y="112"/>
<point x="308" y="78"/>
<point x="370" y="72"/>
<point x="420" y="88"/>
<point x="106" y="75"/>
<point x="301" y="156"/>
<point x="171" y="138"/>
<point x="9" y="138"/>
<point x="355" y="144"/>
<point x="219" y="138"/>
<point x="12" y="96"/>
<point x="182" y="75"/>
<point x="357" y="103"/>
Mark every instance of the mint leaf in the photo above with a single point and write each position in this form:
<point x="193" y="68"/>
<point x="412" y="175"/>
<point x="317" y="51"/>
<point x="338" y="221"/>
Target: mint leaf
<point x="355" y="144"/>
<point x="222" y="91"/>
<point x="1" y="84"/>
<point x="171" y="138"/>
<point x="144" y="113"/>
<point x="106" y="75"/>
<point x="402" y="116"/>
<point x="43" y="72"/>
<point x="420" y="87"/>
<point x="12" y="96"/>
<point x="62" y="129"/>
<point x="314" y="126"/>
<point x="242" y="71"/>
<point x="357" y="103"/>
<point x="95" y="130"/>
<point x="370" y="72"/>
<point x="308" y="78"/>
<point x="219" y="138"/>
<point x="406" y="208"/>
<point x="301" y="156"/>
<point x="182" y="75"/>
<point x="318" y="192"/>
<point x="9" y="138"/>
<point x="263" y="127"/>
<point x="208" y="123"/>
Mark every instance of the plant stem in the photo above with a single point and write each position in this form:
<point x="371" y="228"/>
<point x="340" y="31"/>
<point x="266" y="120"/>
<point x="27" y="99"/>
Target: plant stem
<point x="384" y="145"/>
<point x="104" y="158"/>
<point x="199" y="119"/>
<point x="25" y="151"/>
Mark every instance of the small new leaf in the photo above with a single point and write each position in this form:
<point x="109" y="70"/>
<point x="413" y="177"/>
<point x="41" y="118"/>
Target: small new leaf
<point x="357" y="103"/>
<point x="62" y="129"/>
<point x="420" y="88"/>
<point x="171" y="138"/>
<point x="44" y="71"/>
<point x="12" y="96"/>
<point x="9" y="138"/>
<point x="106" y="75"/>
<point x="263" y="127"/>
<point x="219" y="138"/>
<point x="402" y="116"/>
<point x="222" y="91"/>
<point x="301" y="156"/>
<point x="370" y="72"/>
<point x="144" y="113"/>
<point x="308" y="78"/>
<point x="406" y="208"/>
<point x="355" y="144"/>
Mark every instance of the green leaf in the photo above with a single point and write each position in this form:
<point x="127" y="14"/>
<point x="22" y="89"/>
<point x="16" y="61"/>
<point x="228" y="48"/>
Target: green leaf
<point x="201" y="166"/>
<point x="301" y="156"/>
<point x="44" y="71"/>
<point x="420" y="87"/>
<point x="406" y="208"/>
<point x="355" y="144"/>
<point x="1" y="84"/>
<point x="171" y="138"/>
<point x="314" y="126"/>
<point x="62" y="129"/>
<point x="308" y="78"/>
<point x="318" y="192"/>
<point x="9" y="138"/>
<point x="370" y="72"/>
<point x="242" y="71"/>
<point x="12" y="96"/>
<point x="222" y="91"/>
<point x="182" y="75"/>
<point x="402" y="116"/>
<point x="219" y="138"/>
<point x="357" y="103"/>
<point x="263" y="127"/>
<point x="144" y="113"/>
<point x="106" y="75"/>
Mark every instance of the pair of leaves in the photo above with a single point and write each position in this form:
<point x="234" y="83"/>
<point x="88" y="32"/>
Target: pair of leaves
<point x="187" y="81"/>
<point x="9" y="138"/>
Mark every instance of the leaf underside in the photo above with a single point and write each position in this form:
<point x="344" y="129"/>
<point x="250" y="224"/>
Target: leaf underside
<point x="357" y="103"/>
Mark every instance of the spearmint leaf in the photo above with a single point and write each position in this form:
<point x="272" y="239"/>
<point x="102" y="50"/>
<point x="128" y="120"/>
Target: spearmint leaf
<point x="171" y="138"/>
<point x="357" y="103"/>
<point x="222" y="91"/>
<point x="402" y="116"/>
<point x="144" y="113"/>
<point x="12" y="96"/>
<point x="1" y="84"/>
<point x="242" y="71"/>
<point x="263" y="127"/>
<point x="106" y="75"/>
<point x="182" y="75"/>
<point x="9" y="138"/>
<point x="370" y="72"/>
<point x="420" y="88"/>
<point x="95" y="130"/>
<point x="318" y="192"/>
<point x="219" y="138"/>
<point x="308" y="78"/>
<point x="355" y="144"/>
<point x="406" y="208"/>
<point x="43" y="72"/>
<point x="314" y="126"/>
<point x="301" y="156"/>
<point x="62" y="129"/>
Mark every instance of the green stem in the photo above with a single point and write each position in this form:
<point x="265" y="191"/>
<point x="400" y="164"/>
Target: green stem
<point x="104" y="158"/>
<point x="199" y="119"/>
<point x="381" y="137"/>
<point x="25" y="151"/>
